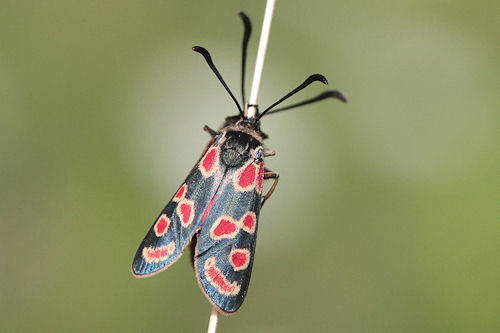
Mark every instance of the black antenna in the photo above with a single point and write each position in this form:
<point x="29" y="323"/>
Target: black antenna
<point x="327" y="94"/>
<point x="210" y="63"/>
<point x="246" y="37"/>
<point x="308" y="81"/>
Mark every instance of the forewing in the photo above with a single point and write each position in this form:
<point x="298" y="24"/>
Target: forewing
<point x="179" y="220"/>
<point x="226" y="243"/>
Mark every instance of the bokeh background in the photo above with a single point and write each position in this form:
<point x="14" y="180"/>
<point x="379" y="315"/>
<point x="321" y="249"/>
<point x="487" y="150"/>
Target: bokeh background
<point x="386" y="218"/>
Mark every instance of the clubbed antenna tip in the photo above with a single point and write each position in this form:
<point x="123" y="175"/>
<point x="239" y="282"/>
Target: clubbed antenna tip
<point x="308" y="81"/>
<point x="208" y="58"/>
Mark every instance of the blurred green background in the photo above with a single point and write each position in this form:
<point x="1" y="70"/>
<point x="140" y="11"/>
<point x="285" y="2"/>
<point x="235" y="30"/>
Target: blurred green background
<point x="386" y="218"/>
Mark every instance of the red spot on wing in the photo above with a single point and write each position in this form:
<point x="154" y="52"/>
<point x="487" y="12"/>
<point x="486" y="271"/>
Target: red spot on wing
<point x="248" y="222"/>
<point x="209" y="161"/>
<point x="247" y="176"/>
<point x="207" y="211"/>
<point x="239" y="259"/>
<point x="218" y="280"/>
<point x="162" y="225"/>
<point x="224" y="227"/>
<point x="185" y="211"/>
<point x="181" y="193"/>
<point x="158" y="254"/>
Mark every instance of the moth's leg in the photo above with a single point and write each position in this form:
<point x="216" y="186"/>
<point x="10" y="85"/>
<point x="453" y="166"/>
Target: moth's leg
<point x="267" y="175"/>
<point x="192" y="247"/>
<point x="209" y="131"/>
<point x="268" y="152"/>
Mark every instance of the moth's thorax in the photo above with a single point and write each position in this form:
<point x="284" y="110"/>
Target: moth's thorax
<point x="237" y="147"/>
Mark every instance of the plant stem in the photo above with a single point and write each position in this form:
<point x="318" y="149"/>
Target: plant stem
<point x="214" y="318"/>
<point x="261" y="54"/>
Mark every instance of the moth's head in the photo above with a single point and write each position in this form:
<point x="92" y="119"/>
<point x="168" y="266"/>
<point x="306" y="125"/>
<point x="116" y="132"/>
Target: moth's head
<point x="240" y="123"/>
<point x="230" y="121"/>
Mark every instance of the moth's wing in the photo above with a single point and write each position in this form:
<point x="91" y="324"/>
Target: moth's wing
<point x="226" y="243"/>
<point x="179" y="220"/>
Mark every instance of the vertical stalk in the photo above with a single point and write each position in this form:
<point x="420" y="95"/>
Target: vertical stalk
<point x="214" y="318"/>
<point x="261" y="54"/>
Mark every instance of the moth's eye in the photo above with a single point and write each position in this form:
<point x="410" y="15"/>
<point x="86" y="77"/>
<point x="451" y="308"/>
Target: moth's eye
<point x="219" y="138"/>
<point x="258" y="154"/>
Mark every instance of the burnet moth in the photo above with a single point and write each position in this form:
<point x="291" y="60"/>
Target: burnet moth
<point x="216" y="209"/>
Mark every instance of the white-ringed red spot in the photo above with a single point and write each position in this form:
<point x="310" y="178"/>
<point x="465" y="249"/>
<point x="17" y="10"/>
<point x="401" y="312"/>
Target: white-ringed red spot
<point x="181" y="193"/>
<point x="158" y="254"/>
<point x="185" y="211"/>
<point x="209" y="163"/>
<point x="225" y="227"/>
<point x="239" y="259"/>
<point x="248" y="222"/>
<point x="161" y="226"/>
<point x="218" y="280"/>
<point x="244" y="179"/>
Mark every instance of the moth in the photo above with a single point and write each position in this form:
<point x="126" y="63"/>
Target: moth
<point x="216" y="209"/>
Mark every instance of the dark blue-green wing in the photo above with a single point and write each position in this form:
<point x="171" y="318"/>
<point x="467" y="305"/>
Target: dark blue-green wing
<point x="226" y="243"/>
<point x="175" y="226"/>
